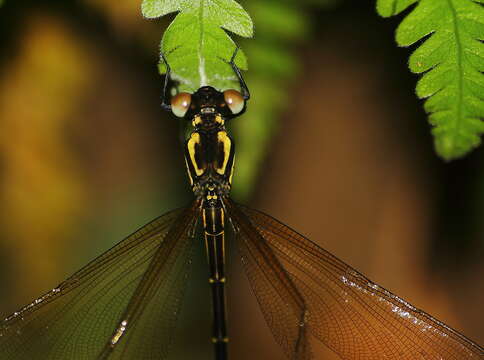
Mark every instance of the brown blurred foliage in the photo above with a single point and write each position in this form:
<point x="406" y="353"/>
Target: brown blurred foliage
<point x="351" y="184"/>
<point x="74" y="154"/>
<point x="43" y="191"/>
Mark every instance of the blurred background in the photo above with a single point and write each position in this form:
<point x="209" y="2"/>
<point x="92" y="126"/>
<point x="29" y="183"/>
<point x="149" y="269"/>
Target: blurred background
<point x="335" y="144"/>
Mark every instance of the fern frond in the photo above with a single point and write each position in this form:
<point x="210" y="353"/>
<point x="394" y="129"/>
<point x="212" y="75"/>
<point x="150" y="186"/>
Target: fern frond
<point x="195" y="43"/>
<point x="387" y="8"/>
<point x="451" y="60"/>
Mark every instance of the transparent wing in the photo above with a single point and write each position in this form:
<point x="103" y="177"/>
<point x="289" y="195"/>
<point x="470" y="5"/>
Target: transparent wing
<point x="282" y="304"/>
<point x="80" y="316"/>
<point x="353" y="316"/>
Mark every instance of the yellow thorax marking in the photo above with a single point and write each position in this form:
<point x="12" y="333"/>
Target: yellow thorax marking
<point x="192" y="142"/>
<point x="197" y="120"/>
<point x="225" y="140"/>
<point x="210" y="197"/>
<point x="219" y="120"/>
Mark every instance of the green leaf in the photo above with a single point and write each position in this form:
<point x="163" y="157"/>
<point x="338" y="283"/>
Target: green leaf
<point x="387" y="8"/>
<point x="451" y="60"/>
<point x="195" y="44"/>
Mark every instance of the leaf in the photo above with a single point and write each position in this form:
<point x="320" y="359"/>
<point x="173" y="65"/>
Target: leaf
<point x="195" y="44"/>
<point x="451" y="60"/>
<point x="387" y="8"/>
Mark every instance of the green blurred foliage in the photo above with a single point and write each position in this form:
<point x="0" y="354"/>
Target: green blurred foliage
<point x="280" y="27"/>
<point x="278" y="20"/>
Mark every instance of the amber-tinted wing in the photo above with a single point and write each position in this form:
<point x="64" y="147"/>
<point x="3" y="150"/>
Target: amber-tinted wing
<point x="282" y="304"/>
<point x="343" y="309"/>
<point x="140" y="279"/>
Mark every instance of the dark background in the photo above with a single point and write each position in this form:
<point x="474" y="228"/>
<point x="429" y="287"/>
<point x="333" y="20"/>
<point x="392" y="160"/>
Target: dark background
<point x="87" y="156"/>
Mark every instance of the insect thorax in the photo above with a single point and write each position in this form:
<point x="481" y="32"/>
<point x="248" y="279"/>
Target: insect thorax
<point x="209" y="156"/>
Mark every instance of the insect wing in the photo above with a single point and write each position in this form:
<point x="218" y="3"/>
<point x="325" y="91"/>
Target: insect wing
<point x="281" y="303"/>
<point x="351" y="315"/>
<point x="80" y="316"/>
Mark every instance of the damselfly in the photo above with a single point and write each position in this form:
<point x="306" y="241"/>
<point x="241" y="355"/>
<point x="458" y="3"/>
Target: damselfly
<point x="125" y="303"/>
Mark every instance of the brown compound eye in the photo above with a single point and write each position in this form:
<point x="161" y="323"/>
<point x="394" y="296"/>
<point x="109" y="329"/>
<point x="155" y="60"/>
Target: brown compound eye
<point x="234" y="101"/>
<point x="180" y="103"/>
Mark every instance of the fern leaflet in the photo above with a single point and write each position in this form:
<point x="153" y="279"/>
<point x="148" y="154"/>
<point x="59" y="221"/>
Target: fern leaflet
<point x="195" y="43"/>
<point x="451" y="60"/>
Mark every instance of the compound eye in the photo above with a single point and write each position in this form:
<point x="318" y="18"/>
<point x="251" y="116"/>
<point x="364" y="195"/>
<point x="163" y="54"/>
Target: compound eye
<point x="180" y="103"/>
<point x="234" y="101"/>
